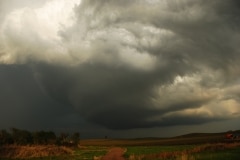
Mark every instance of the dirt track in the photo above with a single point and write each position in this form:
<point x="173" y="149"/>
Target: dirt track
<point x="114" y="154"/>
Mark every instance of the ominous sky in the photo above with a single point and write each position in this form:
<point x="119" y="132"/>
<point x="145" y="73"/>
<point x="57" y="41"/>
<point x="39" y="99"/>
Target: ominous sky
<point x="122" y="68"/>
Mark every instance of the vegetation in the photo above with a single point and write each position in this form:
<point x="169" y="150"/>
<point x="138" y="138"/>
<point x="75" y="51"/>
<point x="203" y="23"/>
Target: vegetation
<point x="91" y="152"/>
<point x="23" y="152"/>
<point x="218" y="151"/>
<point x="23" y="137"/>
<point x="147" y="150"/>
<point x="231" y="154"/>
<point x="51" y="152"/>
<point x="199" y="152"/>
<point x="46" y="145"/>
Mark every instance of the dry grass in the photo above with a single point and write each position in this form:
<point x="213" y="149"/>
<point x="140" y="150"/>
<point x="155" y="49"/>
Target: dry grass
<point x="214" y="147"/>
<point x="14" y="151"/>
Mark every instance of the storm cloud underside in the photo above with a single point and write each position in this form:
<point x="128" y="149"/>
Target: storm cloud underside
<point x="125" y="64"/>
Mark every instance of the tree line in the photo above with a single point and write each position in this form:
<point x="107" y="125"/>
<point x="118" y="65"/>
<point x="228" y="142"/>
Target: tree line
<point x="24" y="137"/>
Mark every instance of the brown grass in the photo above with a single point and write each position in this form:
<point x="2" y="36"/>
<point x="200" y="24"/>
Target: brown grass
<point x="214" y="147"/>
<point x="14" y="151"/>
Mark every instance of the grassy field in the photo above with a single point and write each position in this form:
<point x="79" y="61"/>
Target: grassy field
<point x="217" y="151"/>
<point x="187" y="147"/>
<point x="231" y="154"/>
<point x="81" y="153"/>
<point x="90" y="152"/>
<point x="191" y="139"/>
<point x="146" y="150"/>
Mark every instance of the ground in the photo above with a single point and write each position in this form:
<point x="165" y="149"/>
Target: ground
<point x="115" y="153"/>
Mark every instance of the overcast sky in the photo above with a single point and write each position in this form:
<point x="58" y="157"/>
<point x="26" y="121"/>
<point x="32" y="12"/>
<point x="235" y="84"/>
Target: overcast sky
<point x="122" y="68"/>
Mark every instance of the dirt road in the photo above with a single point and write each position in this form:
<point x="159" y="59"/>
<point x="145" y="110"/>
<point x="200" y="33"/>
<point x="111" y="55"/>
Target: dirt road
<point x="114" y="154"/>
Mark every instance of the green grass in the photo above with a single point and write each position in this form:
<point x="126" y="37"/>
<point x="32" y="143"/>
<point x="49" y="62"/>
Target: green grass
<point x="90" y="152"/>
<point x="230" y="154"/>
<point x="182" y="152"/>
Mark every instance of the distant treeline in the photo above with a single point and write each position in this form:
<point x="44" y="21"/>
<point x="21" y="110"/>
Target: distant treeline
<point x="24" y="137"/>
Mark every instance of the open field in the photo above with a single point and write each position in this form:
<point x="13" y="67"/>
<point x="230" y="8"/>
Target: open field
<point x="189" y="152"/>
<point x="214" y="151"/>
<point x="180" y="140"/>
<point x="186" y="147"/>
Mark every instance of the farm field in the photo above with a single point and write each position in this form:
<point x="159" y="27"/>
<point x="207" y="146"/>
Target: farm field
<point x="218" y="151"/>
<point x="186" y="147"/>
<point x="189" y="152"/>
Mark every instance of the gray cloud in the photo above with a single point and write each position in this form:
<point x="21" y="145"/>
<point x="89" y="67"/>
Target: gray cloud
<point x="132" y="64"/>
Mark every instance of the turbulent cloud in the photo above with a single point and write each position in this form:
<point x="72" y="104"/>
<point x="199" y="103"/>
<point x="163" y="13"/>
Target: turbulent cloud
<point x="131" y="64"/>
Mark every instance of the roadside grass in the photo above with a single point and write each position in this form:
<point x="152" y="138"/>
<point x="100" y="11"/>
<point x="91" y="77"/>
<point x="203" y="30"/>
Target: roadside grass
<point x="90" y="152"/>
<point x="218" y="151"/>
<point x="182" y="152"/>
<point x="187" y="147"/>
<point x="80" y="153"/>
<point x="231" y="154"/>
<point x="31" y="151"/>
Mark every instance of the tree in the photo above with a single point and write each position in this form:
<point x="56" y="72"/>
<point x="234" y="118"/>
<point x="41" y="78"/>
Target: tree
<point x="42" y="137"/>
<point x="21" y="137"/>
<point x="5" y="137"/>
<point x="50" y="137"/>
<point x="75" y="138"/>
<point x="62" y="139"/>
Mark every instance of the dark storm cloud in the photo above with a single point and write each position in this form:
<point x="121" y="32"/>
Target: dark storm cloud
<point x="135" y="64"/>
<point x="24" y="105"/>
<point x="117" y="98"/>
<point x="18" y="93"/>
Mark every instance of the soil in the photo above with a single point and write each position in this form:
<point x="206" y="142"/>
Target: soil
<point x="115" y="153"/>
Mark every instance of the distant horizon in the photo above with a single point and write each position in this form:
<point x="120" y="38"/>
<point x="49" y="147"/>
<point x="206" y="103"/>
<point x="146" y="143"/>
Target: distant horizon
<point x="109" y="137"/>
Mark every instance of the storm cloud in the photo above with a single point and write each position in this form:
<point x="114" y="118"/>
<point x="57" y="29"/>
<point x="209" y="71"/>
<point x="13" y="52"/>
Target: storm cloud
<point x="127" y="64"/>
